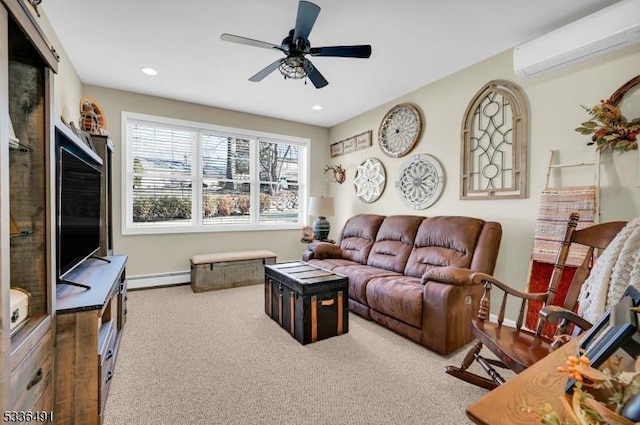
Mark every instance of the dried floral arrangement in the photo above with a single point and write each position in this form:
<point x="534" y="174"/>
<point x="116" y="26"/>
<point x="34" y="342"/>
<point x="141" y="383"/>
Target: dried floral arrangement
<point x="609" y="128"/>
<point x="607" y="396"/>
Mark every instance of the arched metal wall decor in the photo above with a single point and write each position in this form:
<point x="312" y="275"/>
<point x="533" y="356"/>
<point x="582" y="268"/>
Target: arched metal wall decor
<point x="495" y="134"/>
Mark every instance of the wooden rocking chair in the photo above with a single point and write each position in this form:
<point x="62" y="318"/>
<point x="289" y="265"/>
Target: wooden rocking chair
<point x="517" y="348"/>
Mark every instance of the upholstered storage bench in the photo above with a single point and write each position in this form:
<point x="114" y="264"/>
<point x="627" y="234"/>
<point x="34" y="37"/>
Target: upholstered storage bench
<point x="308" y="302"/>
<point x="229" y="269"/>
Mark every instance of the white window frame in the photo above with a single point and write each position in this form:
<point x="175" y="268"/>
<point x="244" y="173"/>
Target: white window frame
<point x="196" y="225"/>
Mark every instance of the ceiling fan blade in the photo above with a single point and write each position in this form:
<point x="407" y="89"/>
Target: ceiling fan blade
<point x="361" y="51"/>
<point x="316" y="78"/>
<point x="249" y="41"/>
<point x="266" y="71"/>
<point x="307" y="15"/>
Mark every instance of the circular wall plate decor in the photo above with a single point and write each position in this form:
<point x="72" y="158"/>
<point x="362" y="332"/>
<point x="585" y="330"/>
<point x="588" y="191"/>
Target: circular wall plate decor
<point x="370" y="180"/>
<point x="420" y="181"/>
<point x="400" y="130"/>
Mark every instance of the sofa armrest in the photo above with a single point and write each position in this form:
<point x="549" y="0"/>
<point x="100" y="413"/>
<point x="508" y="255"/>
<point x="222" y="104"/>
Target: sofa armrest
<point x="452" y="275"/>
<point x="323" y="250"/>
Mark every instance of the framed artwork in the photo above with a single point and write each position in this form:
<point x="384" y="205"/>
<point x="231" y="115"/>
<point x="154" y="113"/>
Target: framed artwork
<point x="337" y="149"/>
<point x="363" y="140"/>
<point x="352" y="144"/>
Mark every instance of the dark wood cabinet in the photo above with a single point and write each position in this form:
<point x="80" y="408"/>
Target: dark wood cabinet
<point x="26" y="224"/>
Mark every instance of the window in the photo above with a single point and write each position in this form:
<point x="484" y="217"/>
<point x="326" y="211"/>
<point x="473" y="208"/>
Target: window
<point x="191" y="177"/>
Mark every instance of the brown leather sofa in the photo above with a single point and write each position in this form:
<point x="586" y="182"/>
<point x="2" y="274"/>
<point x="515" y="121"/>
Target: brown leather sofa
<point x="411" y="273"/>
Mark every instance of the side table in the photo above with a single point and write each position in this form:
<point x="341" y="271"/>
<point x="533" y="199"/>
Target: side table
<point x="536" y="386"/>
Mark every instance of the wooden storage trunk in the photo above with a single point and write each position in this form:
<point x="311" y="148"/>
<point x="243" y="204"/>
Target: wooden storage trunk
<point x="229" y="269"/>
<point x="308" y="302"/>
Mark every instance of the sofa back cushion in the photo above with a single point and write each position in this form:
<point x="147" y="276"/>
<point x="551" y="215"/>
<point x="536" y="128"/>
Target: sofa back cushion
<point x="444" y="241"/>
<point x="358" y="235"/>
<point x="394" y="242"/>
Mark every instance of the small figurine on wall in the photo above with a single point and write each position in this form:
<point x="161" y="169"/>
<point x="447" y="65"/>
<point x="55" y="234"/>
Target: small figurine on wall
<point x="92" y="118"/>
<point x="339" y="173"/>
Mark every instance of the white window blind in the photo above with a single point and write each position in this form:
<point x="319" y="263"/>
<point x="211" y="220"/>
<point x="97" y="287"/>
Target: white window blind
<point x="184" y="176"/>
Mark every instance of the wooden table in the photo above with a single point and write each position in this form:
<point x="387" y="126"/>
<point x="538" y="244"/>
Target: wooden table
<point x="537" y="385"/>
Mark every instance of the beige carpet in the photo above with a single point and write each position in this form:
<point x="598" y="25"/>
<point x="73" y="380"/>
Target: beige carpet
<point x="216" y="358"/>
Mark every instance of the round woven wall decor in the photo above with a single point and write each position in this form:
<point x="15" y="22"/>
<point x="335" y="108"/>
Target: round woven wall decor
<point x="370" y="180"/>
<point x="420" y="181"/>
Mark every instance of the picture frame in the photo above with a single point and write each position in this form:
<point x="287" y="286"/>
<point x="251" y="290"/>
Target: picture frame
<point x="363" y="140"/>
<point x="351" y="144"/>
<point x="614" y="331"/>
<point x="336" y="149"/>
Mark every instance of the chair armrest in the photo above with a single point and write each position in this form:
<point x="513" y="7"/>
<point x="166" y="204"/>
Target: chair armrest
<point x="483" y="278"/>
<point x="554" y="313"/>
<point x="452" y="275"/>
<point x="325" y="250"/>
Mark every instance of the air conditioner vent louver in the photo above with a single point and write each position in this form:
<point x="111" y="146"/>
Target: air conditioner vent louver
<point x="609" y="29"/>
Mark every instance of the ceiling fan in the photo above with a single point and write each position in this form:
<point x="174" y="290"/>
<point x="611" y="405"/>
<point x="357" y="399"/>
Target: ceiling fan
<point x="296" y="46"/>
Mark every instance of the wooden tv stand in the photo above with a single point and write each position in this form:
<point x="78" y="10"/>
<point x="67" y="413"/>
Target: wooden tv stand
<point x="89" y="326"/>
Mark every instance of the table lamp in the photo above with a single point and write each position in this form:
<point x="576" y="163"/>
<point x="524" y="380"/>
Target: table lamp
<point x="321" y="207"/>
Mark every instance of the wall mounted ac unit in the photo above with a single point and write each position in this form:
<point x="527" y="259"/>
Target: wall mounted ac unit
<point x="609" y="29"/>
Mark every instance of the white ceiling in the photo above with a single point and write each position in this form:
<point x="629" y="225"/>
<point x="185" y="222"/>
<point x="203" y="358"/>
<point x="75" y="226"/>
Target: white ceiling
<point x="414" y="43"/>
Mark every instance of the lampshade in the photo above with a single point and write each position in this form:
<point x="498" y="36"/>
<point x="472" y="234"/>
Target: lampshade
<point x="320" y="206"/>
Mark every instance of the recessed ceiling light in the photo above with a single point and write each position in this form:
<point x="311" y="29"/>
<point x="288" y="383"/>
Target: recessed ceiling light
<point x="316" y="107"/>
<point x="149" y="71"/>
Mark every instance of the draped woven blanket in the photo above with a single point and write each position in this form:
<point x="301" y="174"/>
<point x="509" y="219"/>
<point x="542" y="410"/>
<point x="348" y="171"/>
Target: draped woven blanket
<point x="556" y="204"/>
<point x="617" y="268"/>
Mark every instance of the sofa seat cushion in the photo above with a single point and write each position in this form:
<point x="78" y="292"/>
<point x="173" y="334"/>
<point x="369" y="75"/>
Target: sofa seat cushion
<point x="397" y="297"/>
<point x="357" y="236"/>
<point x="444" y="241"/>
<point x="331" y="263"/>
<point x="394" y="242"/>
<point x="359" y="276"/>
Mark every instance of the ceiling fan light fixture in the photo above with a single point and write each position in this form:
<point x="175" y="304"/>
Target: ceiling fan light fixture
<point x="295" y="67"/>
<point x="296" y="46"/>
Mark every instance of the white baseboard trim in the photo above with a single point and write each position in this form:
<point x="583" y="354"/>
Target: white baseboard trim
<point x="158" y="279"/>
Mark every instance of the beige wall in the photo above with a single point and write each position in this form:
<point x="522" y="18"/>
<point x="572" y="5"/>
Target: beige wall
<point x="150" y="254"/>
<point x="554" y="106"/>
<point x="67" y="88"/>
<point x="153" y="254"/>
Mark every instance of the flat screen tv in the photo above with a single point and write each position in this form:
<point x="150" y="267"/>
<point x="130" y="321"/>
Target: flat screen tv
<point x="78" y="205"/>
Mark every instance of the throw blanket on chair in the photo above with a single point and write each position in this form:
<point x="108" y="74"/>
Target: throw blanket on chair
<point x="556" y="204"/>
<point x="617" y="268"/>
